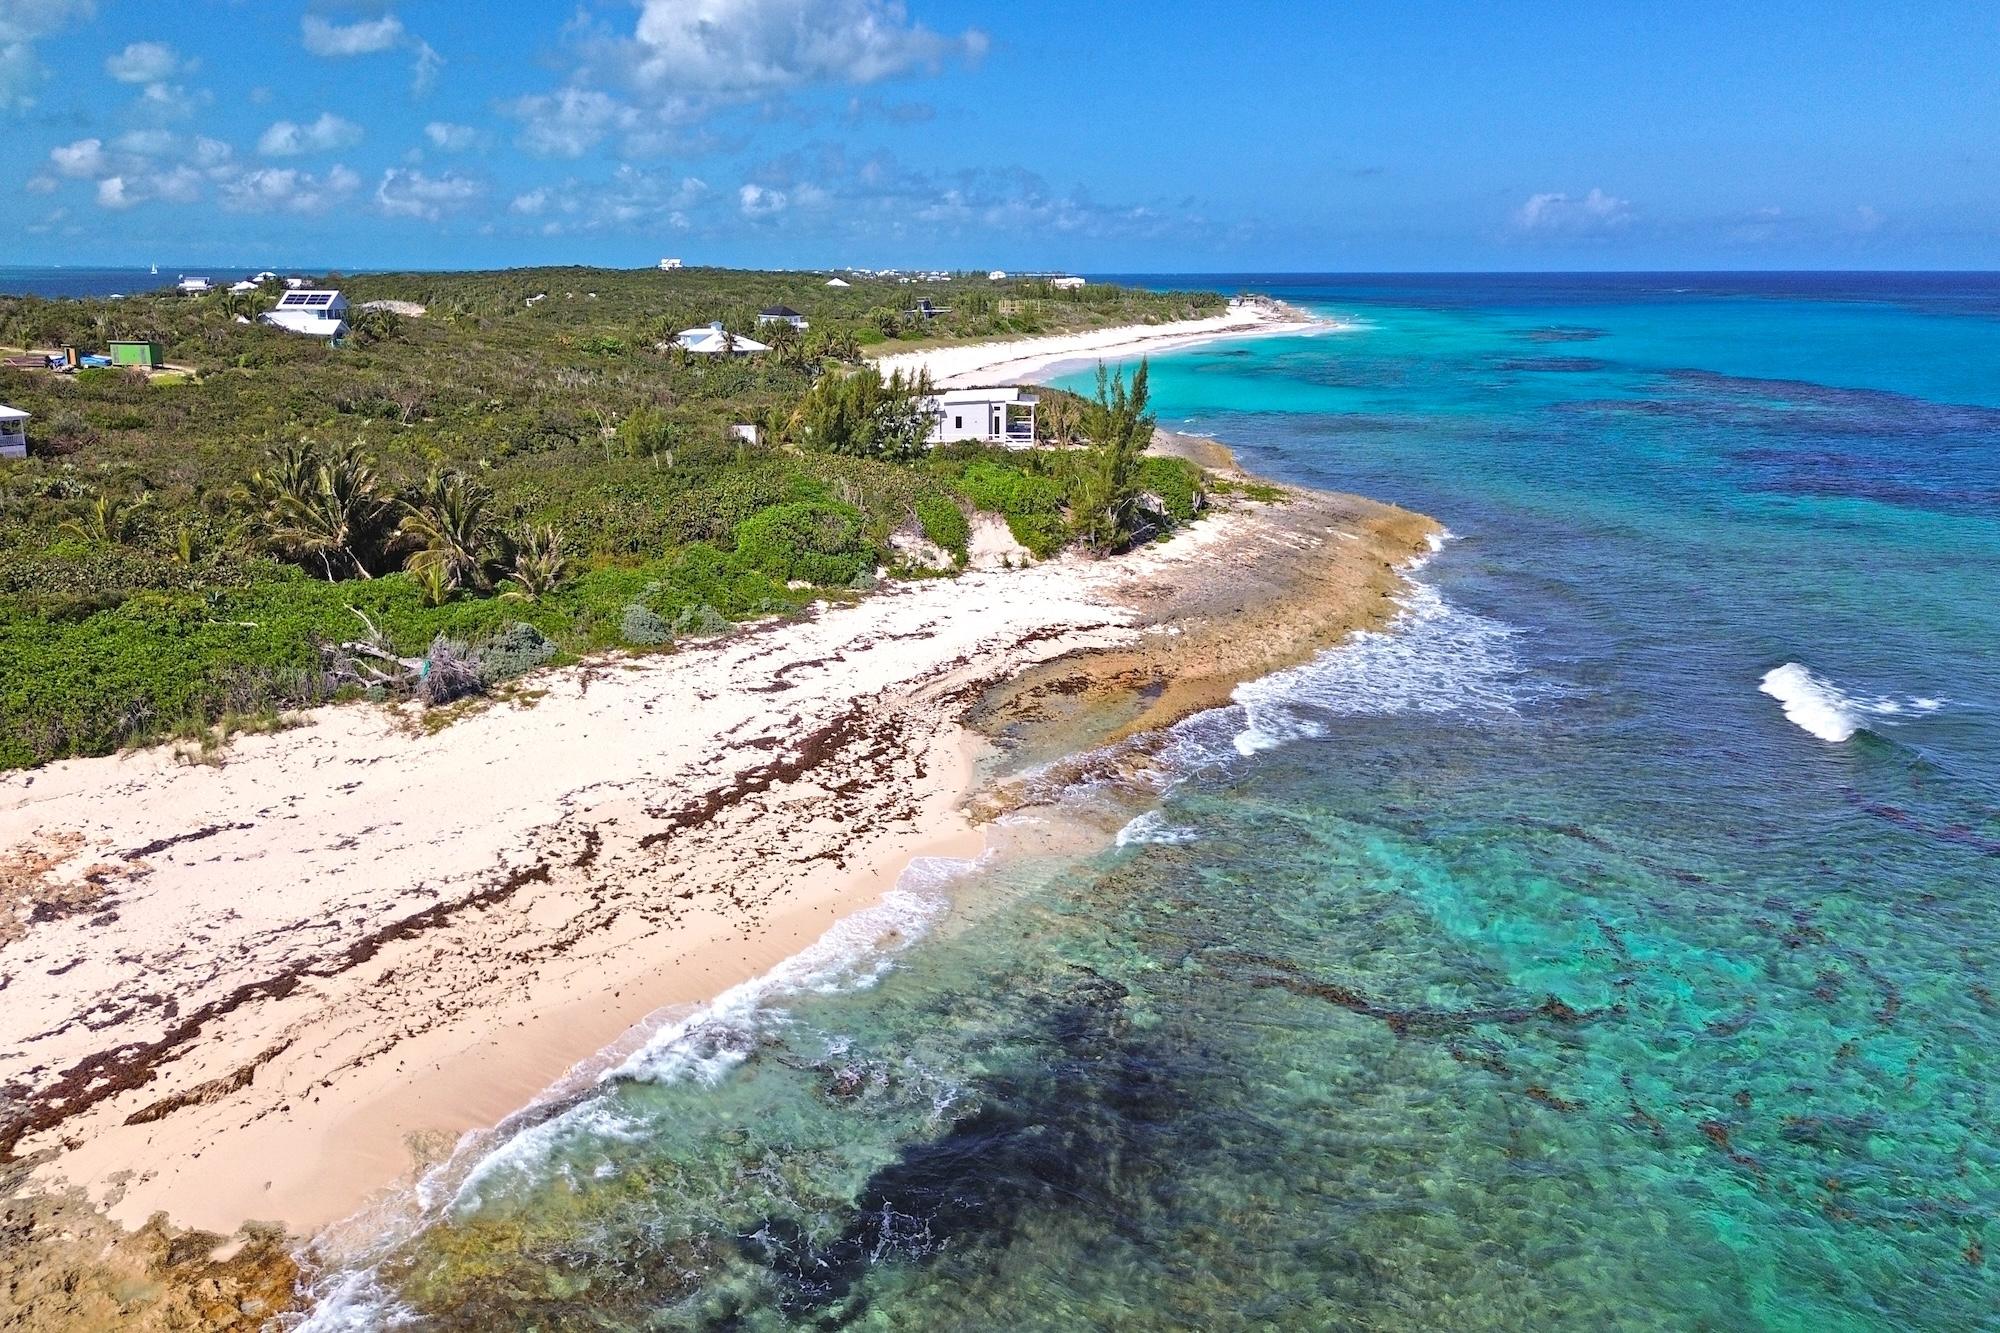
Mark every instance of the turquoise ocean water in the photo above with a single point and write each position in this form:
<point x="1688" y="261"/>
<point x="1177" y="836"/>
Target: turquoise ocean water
<point x="1611" y="946"/>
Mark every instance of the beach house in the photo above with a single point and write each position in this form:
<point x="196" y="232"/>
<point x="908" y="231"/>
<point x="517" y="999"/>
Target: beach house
<point x="997" y="414"/>
<point x="317" y="312"/>
<point x="13" y="432"/>
<point x="782" y="314"/>
<point x="1066" y="284"/>
<point x="669" y="265"/>
<point x="714" y="340"/>
<point x="193" y="286"/>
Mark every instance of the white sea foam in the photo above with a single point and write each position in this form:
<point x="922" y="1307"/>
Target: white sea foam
<point x="1436" y="657"/>
<point x="704" y="1044"/>
<point x="1821" y="708"/>
<point x="1152" y="827"/>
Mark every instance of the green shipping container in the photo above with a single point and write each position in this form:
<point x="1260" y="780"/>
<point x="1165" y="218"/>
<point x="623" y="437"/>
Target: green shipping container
<point x="137" y="354"/>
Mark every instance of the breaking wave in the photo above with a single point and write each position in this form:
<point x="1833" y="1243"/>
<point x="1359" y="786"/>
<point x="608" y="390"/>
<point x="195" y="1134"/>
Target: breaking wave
<point x="1436" y="657"/>
<point x="1152" y="827"/>
<point x="1819" y="707"/>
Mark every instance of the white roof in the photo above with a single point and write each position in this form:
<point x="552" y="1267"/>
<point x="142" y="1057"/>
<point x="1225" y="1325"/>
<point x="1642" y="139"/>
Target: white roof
<point x="838" y="282"/>
<point x="998" y="393"/>
<point x="714" y="339"/>
<point x="13" y="413"/>
<point x="314" y="322"/>
<point x="244" y="286"/>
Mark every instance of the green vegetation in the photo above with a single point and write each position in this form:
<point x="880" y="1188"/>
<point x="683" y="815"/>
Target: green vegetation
<point x="494" y="485"/>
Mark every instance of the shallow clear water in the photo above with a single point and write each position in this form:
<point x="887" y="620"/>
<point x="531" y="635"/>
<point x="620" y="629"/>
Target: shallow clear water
<point x="1530" y="967"/>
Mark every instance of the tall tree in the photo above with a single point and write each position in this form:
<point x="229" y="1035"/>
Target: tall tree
<point x="1120" y="428"/>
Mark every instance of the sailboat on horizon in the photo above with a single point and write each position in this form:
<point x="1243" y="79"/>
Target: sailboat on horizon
<point x="156" y="270"/>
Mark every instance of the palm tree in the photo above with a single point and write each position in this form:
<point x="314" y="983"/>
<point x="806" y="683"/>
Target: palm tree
<point x="317" y="505"/>
<point x="373" y="324"/>
<point x="107" y="522"/>
<point x="451" y="516"/>
<point x="539" y="565"/>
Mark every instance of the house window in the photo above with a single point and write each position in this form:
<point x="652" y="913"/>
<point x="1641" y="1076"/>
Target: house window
<point x="958" y="423"/>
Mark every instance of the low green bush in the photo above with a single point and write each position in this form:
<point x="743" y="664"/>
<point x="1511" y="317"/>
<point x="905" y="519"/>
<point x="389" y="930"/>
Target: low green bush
<point x="642" y="626"/>
<point x="818" y="542"/>
<point x="944" y="525"/>
<point x="1175" y="482"/>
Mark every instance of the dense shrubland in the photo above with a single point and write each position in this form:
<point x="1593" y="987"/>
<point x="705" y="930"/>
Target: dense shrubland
<point x="494" y="485"/>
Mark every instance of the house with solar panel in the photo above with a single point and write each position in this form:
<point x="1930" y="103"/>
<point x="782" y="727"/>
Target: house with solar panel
<point x="318" y="313"/>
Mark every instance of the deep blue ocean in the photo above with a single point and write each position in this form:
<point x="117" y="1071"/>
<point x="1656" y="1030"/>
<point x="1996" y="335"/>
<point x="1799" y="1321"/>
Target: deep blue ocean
<point x="82" y="283"/>
<point x="1610" y="946"/>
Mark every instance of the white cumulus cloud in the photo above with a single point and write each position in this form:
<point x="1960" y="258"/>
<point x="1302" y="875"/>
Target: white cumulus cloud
<point x="84" y="158"/>
<point x="449" y="138"/>
<point x="570" y="122"/>
<point x="1573" y="215"/>
<point x="758" y="202"/>
<point x="757" y="46"/>
<point x="22" y="24"/>
<point x="325" y="38"/>
<point x="327" y="134"/>
<point x="407" y="193"/>
<point x="368" y="37"/>
<point x="146" y="62"/>
<point x="287" y="190"/>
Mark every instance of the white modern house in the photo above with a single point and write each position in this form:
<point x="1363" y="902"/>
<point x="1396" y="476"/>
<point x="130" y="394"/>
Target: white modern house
<point x="997" y="275"/>
<point x="318" y="313"/>
<point x="1066" y="284"/>
<point x="193" y="286"/>
<point x="998" y="414"/>
<point x="13" y="432"/>
<point x="783" y="314"/>
<point x="244" y="286"/>
<point x="714" y="340"/>
<point x="668" y="265"/>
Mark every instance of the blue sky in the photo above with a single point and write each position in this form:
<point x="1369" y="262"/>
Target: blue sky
<point x="1103" y="137"/>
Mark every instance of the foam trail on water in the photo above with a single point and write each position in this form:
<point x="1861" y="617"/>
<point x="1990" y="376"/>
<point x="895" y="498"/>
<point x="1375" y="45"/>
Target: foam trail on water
<point x="1819" y="707"/>
<point x="1152" y="827"/>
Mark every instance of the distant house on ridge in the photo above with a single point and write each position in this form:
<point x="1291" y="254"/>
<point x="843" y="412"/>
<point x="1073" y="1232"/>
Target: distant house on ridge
<point x="838" y="282"/>
<point x="715" y="340"/>
<point x="193" y="286"/>
<point x="668" y="265"/>
<point x="1066" y="284"/>
<point x="782" y="314"/>
<point x="318" y="313"/>
<point x="13" y="432"/>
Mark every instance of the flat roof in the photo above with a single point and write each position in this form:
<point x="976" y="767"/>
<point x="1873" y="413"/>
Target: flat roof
<point x="998" y="393"/>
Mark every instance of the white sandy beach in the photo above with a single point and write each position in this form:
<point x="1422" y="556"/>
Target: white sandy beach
<point x="259" y="984"/>
<point x="1026" y="359"/>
